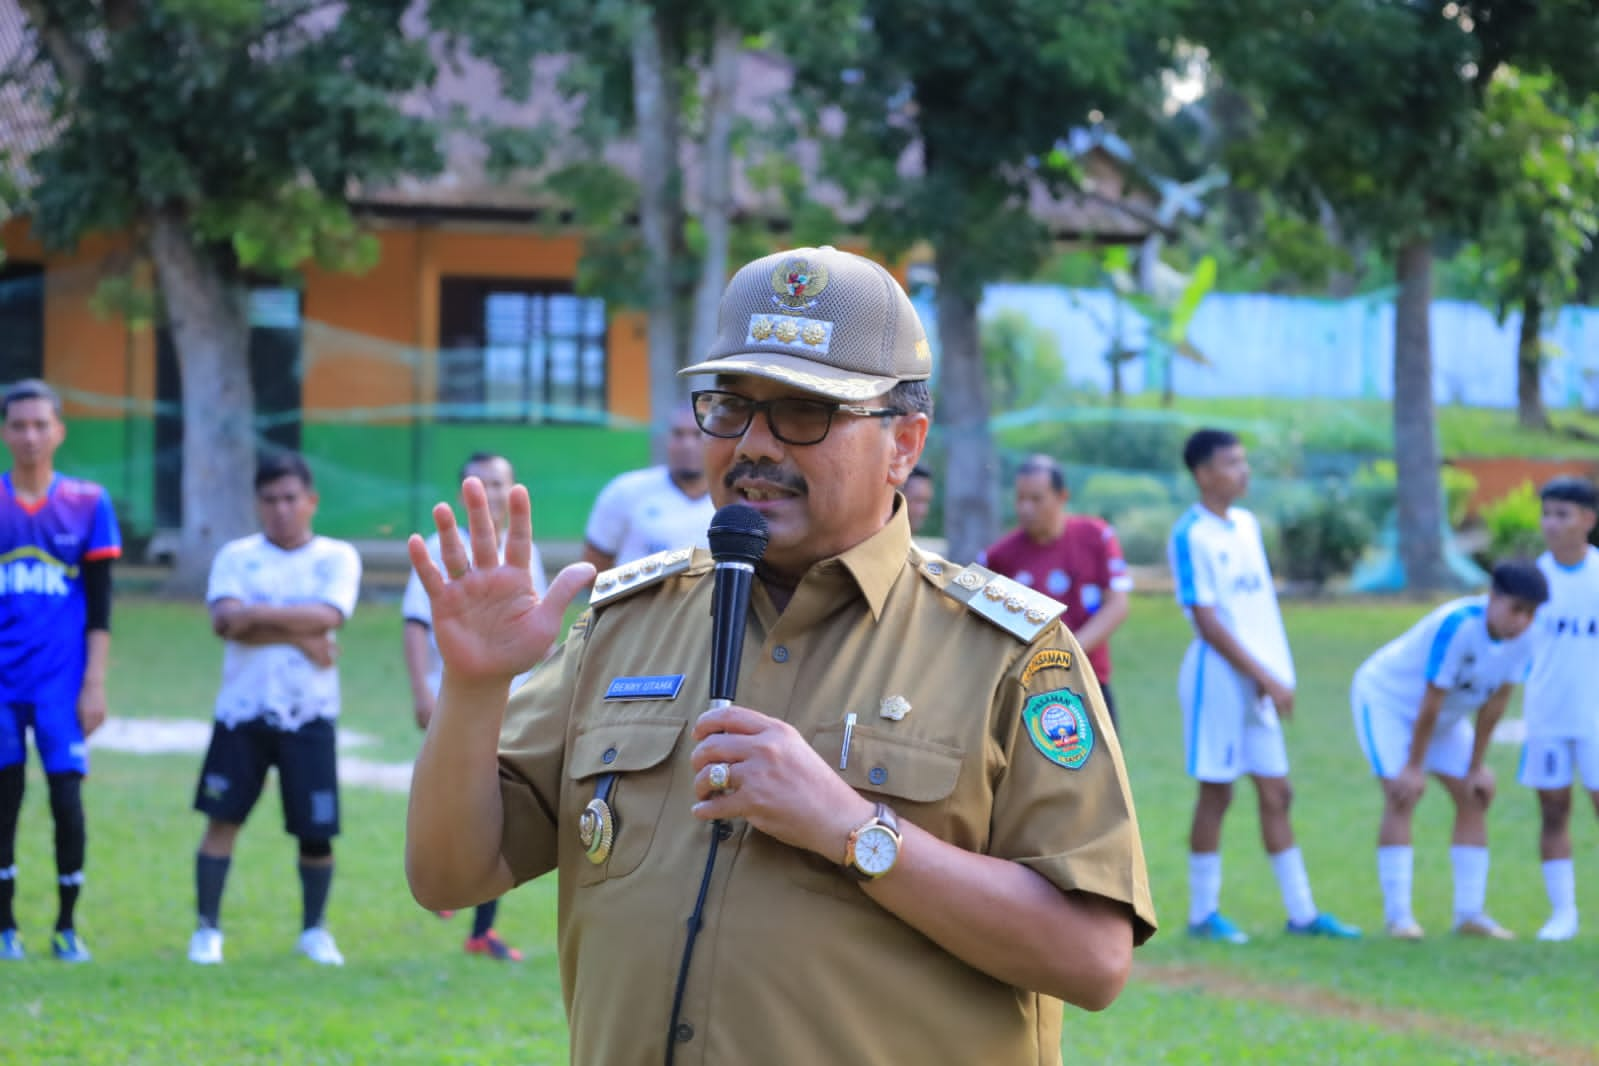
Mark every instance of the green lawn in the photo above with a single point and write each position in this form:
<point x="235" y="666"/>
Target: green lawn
<point x="410" y="995"/>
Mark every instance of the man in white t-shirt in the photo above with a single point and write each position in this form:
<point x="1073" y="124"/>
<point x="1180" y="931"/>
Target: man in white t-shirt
<point x="1413" y="703"/>
<point x="655" y="509"/>
<point x="1562" y="699"/>
<point x="276" y="598"/>
<point x="425" y="667"/>
<point x="1237" y="679"/>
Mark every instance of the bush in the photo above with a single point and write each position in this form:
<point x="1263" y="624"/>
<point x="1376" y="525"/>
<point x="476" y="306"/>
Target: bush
<point x="1376" y="491"/>
<point x="1324" y="538"/>
<point x="1110" y="495"/>
<point x="1143" y="532"/>
<point x="1136" y="442"/>
<point x="1513" y="524"/>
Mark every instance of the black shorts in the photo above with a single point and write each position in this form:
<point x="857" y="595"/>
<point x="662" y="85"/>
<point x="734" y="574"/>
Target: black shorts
<point x="308" y="776"/>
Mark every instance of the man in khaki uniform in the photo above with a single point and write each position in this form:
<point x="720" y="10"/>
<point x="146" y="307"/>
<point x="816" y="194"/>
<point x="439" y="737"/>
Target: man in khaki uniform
<point x="912" y="837"/>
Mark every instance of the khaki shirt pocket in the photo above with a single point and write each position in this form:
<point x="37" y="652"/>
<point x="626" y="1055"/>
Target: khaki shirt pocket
<point x="915" y="777"/>
<point x="638" y="753"/>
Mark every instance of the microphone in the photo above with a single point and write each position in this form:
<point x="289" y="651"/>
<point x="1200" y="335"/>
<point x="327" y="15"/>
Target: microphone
<point x="738" y="540"/>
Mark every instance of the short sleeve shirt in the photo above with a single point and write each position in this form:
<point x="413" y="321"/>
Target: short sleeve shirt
<point x="1451" y="649"/>
<point x="795" y="964"/>
<point x="43" y="607"/>
<point x="416" y="607"/>
<point x="1563" y="686"/>
<point x="1221" y="563"/>
<point x="1075" y="568"/>
<point x="277" y="682"/>
<point x="643" y="512"/>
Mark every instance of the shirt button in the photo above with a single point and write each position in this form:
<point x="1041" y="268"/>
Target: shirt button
<point x="780" y="654"/>
<point x="877" y="776"/>
<point x="609" y="757"/>
<point x="935" y="569"/>
<point x="724" y="830"/>
<point x="684" y="1032"/>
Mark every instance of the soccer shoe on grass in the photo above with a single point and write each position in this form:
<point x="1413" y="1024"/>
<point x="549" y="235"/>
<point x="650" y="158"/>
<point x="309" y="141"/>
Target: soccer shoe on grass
<point x="11" y="946"/>
<point x="67" y="946"/>
<point x="205" y="947"/>
<point x="1327" y="926"/>
<point x="491" y="945"/>
<point x="317" y="945"/>
<point x="1405" y="930"/>
<point x="1560" y="926"/>
<point x="1219" y="929"/>
<point x="1480" y="925"/>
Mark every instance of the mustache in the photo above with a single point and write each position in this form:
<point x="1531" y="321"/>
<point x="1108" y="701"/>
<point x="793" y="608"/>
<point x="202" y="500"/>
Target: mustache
<point x="769" y="472"/>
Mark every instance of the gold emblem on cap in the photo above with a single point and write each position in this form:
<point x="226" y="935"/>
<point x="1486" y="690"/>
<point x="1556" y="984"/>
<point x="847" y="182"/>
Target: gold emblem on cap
<point x="894" y="708"/>
<point x="787" y="330"/>
<point x="761" y="328"/>
<point x="813" y="334"/>
<point x="796" y="283"/>
<point x="596" y="829"/>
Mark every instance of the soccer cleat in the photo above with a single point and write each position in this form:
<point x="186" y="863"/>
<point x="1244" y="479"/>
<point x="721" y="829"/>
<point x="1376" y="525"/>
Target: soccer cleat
<point x="67" y="946"/>
<point x="1405" y="930"/>
<point x="1219" y="929"/>
<point x="11" y="946"/>
<point x="205" y="947"/>
<point x="1562" y="925"/>
<point x="1325" y="925"/>
<point x="491" y="945"/>
<point x="317" y="945"/>
<point x="1480" y="925"/>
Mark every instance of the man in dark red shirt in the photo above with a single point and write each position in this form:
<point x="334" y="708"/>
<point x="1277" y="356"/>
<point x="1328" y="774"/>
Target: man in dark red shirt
<point x="1074" y="559"/>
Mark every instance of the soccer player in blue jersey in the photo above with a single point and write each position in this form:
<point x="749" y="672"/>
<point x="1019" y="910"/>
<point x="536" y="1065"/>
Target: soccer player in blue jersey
<point x="58" y="537"/>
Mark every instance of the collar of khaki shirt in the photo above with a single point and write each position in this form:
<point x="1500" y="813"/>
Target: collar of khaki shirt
<point x="871" y="567"/>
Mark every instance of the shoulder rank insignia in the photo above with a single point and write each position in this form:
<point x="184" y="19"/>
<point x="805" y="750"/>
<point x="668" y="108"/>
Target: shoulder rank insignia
<point x="619" y="581"/>
<point x="1014" y="607"/>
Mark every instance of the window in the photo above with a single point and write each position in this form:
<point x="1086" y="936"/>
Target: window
<point x="519" y="351"/>
<point x="21" y="322"/>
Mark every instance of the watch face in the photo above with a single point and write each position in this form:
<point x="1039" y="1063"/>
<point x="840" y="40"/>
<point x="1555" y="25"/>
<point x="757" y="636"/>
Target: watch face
<point x="875" y="851"/>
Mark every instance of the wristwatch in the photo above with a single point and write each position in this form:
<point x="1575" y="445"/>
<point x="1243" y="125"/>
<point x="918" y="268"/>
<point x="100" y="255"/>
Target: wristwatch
<point x="873" y="846"/>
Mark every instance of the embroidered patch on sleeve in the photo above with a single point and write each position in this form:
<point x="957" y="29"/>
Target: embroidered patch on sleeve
<point x="1059" y="727"/>
<point x="1044" y="660"/>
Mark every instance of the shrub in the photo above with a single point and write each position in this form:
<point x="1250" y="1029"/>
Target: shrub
<point x="1109" y="495"/>
<point x="1513" y="524"/>
<point x="1137" y="442"/>
<point x="1324" y="538"/>
<point x="1143" y="532"/>
<point x="1376" y="491"/>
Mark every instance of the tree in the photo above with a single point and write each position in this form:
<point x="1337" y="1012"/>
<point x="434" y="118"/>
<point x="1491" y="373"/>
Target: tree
<point x="982" y="98"/>
<point x="1373" y="110"/>
<point x="224" y="136"/>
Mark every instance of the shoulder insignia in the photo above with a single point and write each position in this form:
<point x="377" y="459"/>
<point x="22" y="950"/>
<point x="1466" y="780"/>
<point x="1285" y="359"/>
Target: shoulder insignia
<point x="1048" y="658"/>
<point x="622" y="581"/>
<point x="1010" y="605"/>
<point x="931" y="566"/>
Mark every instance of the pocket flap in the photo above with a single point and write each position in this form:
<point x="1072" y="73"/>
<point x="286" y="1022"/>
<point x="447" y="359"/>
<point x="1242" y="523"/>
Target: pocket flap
<point x="919" y="771"/>
<point x="623" y="747"/>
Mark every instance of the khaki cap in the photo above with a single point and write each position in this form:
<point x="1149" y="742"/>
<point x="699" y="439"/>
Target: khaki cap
<point x="822" y="320"/>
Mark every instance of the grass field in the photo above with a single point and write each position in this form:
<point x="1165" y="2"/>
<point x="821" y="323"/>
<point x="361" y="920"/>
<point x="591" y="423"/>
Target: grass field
<point x="409" y="995"/>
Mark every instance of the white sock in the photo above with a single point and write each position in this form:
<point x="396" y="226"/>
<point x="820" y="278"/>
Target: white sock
<point x="1289" y="866"/>
<point x="1471" y="880"/>
<point x="1395" y="864"/>
<point x="1560" y="879"/>
<point x="1204" y="885"/>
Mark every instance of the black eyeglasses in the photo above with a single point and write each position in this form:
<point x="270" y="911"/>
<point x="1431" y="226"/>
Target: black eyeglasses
<point x="792" y="420"/>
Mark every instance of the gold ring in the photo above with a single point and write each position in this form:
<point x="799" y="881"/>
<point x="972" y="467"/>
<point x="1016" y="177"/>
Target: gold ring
<point x="720" y="776"/>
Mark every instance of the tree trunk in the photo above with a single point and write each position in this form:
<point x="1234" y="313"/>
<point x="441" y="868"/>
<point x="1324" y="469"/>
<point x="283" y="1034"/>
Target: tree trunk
<point x="1530" y="413"/>
<point x="716" y="184"/>
<point x="211" y="335"/>
<point x="660" y="213"/>
<point x="972" y="471"/>
<point x="1420" y="494"/>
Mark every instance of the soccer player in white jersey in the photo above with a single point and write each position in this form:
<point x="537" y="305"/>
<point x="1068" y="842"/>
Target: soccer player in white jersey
<point x="655" y="509"/>
<point x="1413" y="703"/>
<point x="276" y="598"/>
<point x="1237" y="680"/>
<point x="1562" y="699"/>
<point x="425" y="667"/>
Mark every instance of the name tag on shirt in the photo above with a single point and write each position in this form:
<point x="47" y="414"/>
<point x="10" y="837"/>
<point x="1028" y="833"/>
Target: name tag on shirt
<point x="656" y="687"/>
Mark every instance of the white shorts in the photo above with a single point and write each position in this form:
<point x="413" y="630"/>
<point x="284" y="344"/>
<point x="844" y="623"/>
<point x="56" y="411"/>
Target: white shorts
<point x="1385" y="733"/>
<point x="1547" y="762"/>
<point x="1228" y="728"/>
